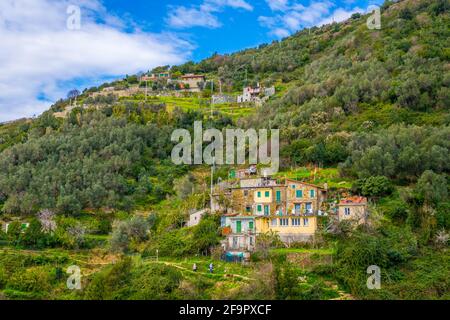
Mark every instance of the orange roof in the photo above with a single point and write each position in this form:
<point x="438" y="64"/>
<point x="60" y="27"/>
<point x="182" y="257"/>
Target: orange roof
<point x="305" y="183"/>
<point x="353" y="200"/>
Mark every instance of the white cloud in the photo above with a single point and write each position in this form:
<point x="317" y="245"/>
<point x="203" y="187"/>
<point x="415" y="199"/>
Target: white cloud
<point x="202" y="16"/>
<point x="182" y="17"/>
<point x="280" y="32"/>
<point x="339" y="15"/>
<point x="292" y="16"/>
<point x="40" y="59"/>
<point x="278" y="5"/>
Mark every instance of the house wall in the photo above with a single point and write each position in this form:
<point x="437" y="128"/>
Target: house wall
<point x="194" y="219"/>
<point x="193" y="82"/>
<point x="240" y="199"/>
<point x="240" y="242"/>
<point x="315" y="201"/>
<point x="289" y="232"/>
<point x="357" y="212"/>
<point x="245" y="223"/>
<point x="263" y="195"/>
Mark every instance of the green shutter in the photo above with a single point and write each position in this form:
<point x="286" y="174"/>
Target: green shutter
<point x="238" y="226"/>
<point x="278" y="195"/>
<point x="250" y="225"/>
<point x="259" y="208"/>
<point x="312" y="193"/>
<point x="267" y="194"/>
<point x="259" y="194"/>
<point x="299" y="193"/>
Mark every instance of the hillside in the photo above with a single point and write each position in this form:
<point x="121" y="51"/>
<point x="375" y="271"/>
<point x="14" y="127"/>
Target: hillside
<point x="363" y="111"/>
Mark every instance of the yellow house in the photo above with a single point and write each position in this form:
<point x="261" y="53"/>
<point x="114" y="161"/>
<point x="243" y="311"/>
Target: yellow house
<point x="299" y="221"/>
<point x="289" y="209"/>
<point x="289" y="228"/>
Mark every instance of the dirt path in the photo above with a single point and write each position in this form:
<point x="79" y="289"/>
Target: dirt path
<point x="226" y="275"/>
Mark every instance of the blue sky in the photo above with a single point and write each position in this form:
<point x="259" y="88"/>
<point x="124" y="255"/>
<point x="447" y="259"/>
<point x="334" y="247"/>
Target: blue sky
<point x="43" y="57"/>
<point x="237" y="25"/>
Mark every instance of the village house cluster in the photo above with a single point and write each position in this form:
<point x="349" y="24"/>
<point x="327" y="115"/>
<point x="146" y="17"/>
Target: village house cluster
<point x="253" y="205"/>
<point x="196" y="83"/>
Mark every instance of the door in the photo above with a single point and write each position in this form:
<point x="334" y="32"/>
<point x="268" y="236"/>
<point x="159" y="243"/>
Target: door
<point x="238" y="226"/>
<point x="266" y="210"/>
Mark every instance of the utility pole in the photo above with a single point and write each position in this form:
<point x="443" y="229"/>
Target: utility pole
<point x="212" y="93"/>
<point x="212" y="183"/>
<point x="146" y="88"/>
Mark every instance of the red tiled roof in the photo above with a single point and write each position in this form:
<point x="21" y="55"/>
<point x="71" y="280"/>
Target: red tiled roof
<point x="305" y="183"/>
<point x="353" y="200"/>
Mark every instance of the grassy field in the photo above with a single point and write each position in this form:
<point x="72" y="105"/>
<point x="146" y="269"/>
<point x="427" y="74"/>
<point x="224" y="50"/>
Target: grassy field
<point x="318" y="176"/>
<point x="190" y="103"/>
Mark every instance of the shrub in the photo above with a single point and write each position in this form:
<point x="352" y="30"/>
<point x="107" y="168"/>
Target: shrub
<point x="14" y="232"/>
<point x="375" y="186"/>
<point x="35" y="279"/>
<point x="112" y="283"/>
<point x="155" y="282"/>
<point x="126" y="233"/>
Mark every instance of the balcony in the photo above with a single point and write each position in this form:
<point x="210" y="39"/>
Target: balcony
<point x="303" y="212"/>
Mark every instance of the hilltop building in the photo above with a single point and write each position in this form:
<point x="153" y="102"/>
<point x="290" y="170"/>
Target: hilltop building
<point x="192" y="81"/>
<point x="353" y="208"/>
<point x="156" y="76"/>
<point x="195" y="216"/>
<point x="257" y="94"/>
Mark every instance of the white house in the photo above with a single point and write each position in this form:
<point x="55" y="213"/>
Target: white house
<point x="195" y="217"/>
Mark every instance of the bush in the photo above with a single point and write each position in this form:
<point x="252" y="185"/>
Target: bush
<point x="155" y="282"/>
<point x="33" y="235"/>
<point x="376" y="186"/>
<point x="14" y="232"/>
<point x="127" y="233"/>
<point x="34" y="280"/>
<point x="112" y="283"/>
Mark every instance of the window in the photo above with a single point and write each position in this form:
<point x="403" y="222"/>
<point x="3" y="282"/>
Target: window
<point x="259" y="194"/>
<point x="267" y="194"/>
<point x="297" y="208"/>
<point x="284" y="222"/>
<point x="266" y="210"/>
<point x="250" y="225"/>
<point x="293" y="186"/>
<point x="238" y="226"/>
<point x="274" y="222"/>
<point x="278" y="195"/>
<point x="245" y="192"/>
<point x="248" y="208"/>
<point x="305" y="222"/>
<point x="312" y="193"/>
<point x="259" y="208"/>
<point x="296" y="222"/>
<point x="308" y="207"/>
<point x="251" y="241"/>
<point x="299" y="193"/>
<point x="347" y="211"/>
